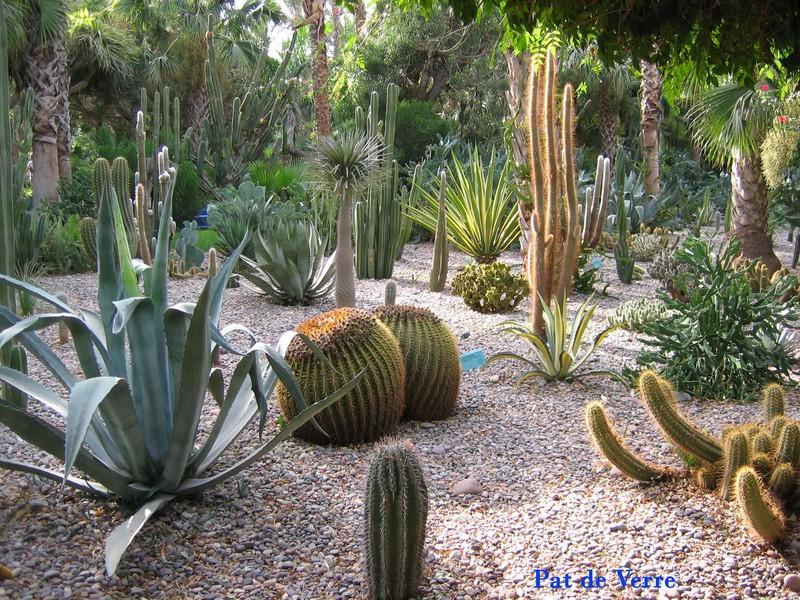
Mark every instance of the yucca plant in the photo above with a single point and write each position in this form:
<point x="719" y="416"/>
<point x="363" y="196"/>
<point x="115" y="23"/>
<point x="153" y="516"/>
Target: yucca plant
<point x="290" y="266"/>
<point x="131" y="425"/>
<point x="482" y="217"/>
<point x="557" y="355"/>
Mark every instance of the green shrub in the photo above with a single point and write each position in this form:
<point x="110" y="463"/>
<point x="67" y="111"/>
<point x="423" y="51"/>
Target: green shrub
<point x="721" y="341"/>
<point x="75" y="195"/>
<point x="188" y="197"/>
<point x="62" y="251"/>
<point x="491" y="288"/>
<point x="418" y="126"/>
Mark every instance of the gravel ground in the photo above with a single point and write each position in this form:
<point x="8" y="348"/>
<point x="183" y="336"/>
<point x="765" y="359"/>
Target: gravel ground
<point x="290" y="527"/>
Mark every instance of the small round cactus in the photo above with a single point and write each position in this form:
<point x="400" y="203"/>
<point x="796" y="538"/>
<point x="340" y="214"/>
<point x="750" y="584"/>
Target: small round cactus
<point x="352" y="339"/>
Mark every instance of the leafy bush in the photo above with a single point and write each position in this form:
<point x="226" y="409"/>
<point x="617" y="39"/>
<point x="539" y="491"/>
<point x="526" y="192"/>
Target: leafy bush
<point x="556" y="355"/>
<point x="188" y="197"/>
<point x="721" y="340"/>
<point x="62" y="250"/>
<point x="491" y="288"/>
<point x="75" y="194"/>
<point x="418" y="126"/>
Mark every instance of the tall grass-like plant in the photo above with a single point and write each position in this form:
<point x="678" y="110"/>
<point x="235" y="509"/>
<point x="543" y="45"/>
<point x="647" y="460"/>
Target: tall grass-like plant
<point x="558" y="354"/>
<point x="131" y="424"/>
<point x="481" y="214"/>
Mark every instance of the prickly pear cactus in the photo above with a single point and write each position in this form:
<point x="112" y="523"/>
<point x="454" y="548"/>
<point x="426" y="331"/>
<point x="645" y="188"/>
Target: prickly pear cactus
<point x="352" y="339"/>
<point x="433" y="367"/>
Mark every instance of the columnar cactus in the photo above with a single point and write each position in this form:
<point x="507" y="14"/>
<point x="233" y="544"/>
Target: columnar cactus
<point x="634" y="315"/>
<point x="395" y="517"/>
<point x="555" y="230"/>
<point x="432" y="361"/>
<point x="389" y="293"/>
<point x="595" y="208"/>
<point x="441" y="255"/>
<point x="352" y="339"/>
<point x="121" y="179"/>
<point x="213" y="263"/>
<point x="622" y="256"/>
<point x="774" y="402"/>
<point x="736" y="456"/>
<point x="757" y="507"/>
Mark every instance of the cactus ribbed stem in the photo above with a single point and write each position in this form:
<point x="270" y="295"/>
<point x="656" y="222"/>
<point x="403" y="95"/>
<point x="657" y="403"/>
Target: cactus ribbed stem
<point x="389" y="293"/>
<point x="441" y="255"/>
<point x="775" y="427"/>
<point x="763" y="464"/>
<point x="736" y="456"/>
<point x="788" y="450"/>
<point x="758" y="508"/>
<point x="781" y="482"/>
<point x="653" y="391"/>
<point x="395" y="518"/>
<point x="762" y="443"/>
<point x="773" y="402"/>
<point x="88" y="230"/>
<point x="596" y="205"/>
<point x="141" y="217"/>
<point x="611" y="446"/>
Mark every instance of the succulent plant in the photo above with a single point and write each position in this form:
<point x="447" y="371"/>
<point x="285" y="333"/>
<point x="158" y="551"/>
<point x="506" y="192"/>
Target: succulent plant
<point x="491" y="288"/>
<point x="441" y="253"/>
<point x="756" y="464"/>
<point x="634" y="315"/>
<point x="389" y="292"/>
<point x="352" y="340"/>
<point x="186" y="248"/>
<point x="395" y="518"/>
<point x="644" y="246"/>
<point x="432" y="361"/>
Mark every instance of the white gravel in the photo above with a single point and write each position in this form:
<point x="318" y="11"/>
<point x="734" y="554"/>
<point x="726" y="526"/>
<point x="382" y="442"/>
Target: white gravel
<point x="290" y="527"/>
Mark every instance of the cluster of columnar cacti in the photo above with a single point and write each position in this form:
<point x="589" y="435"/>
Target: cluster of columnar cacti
<point x="555" y="229"/>
<point x="352" y="339"/>
<point x="756" y="464"/>
<point x="645" y="246"/>
<point x="395" y="517"/>
<point x="432" y="362"/>
<point x="761" y="278"/>
<point x="380" y="227"/>
<point x="633" y="315"/>
<point x="595" y="208"/>
<point x="441" y="254"/>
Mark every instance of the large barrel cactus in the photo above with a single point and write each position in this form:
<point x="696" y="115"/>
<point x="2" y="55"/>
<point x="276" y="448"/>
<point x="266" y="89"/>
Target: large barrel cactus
<point x="395" y="516"/>
<point x="352" y="339"/>
<point x="433" y="368"/>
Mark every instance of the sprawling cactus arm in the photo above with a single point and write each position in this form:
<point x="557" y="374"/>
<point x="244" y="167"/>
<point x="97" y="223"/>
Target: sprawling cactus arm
<point x="441" y="255"/>
<point x="656" y="394"/>
<point x="611" y="446"/>
<point x="788" y="448"/>
<point x="774" y="402"/>
<point x="736" y="455"/>
<point x="781" y="482"/>
<point x="395" y="517"/>
<point x="758" y="508"/>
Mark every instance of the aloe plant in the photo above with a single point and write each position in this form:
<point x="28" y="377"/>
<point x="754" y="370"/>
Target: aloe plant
<point x="131" y="426"/>
<point x="291" y="266"/>
<point x="557" y="355"/>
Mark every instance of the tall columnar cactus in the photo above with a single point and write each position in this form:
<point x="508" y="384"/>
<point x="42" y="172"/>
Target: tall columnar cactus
<point x="88" y="229"/>
<point x="389" y="293"/>
<point x="395" y="517"/>
<point x="736" y="455"/>
<point x="441" y="255"/>
<point x="7" y="199"/>
<point x="352" y="340"/>
<point x="432" y="361"/>
<point x="213" y="264"/>
<point x="381" y="226"/>
<point x="773" y="401"/>
<point x="622" y="255"/>
<point x="595" y="208"/>
<point x="555" y="229"/>
<point x="121" y="179"/>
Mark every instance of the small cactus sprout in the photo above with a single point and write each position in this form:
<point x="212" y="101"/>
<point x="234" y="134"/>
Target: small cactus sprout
<point x="389" y="293"/>
<point x="213" y="263"/>
<point x="774" y="402"/>
<point x="758" y="508"/>
<point x="63" y="330"/>
<point x="395" y="517"/>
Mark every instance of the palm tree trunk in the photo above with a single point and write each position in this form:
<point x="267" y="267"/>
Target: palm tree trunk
<point x="336" y="19"/>
<point x="63" y="79"/>
<point x="315" y="17"/>
<point x="749" y="210"/>
<point x="345" y="269"/>
<point x="360" y="17"/>
<point x="609" y="124"/>
<point x="651" y="125"/>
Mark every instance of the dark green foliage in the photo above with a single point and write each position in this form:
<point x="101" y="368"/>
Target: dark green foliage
<point x="75" y="194"/>
<point x="188" y="198"/>
<point x="63" y="249"/>
<point x="433" y="367"/>
<point x="586" y="273"/>
<point x="395" y="517"/>
<point x="622" y="256"/>
<point x="419" y="125"/>
<point x="491" y="288"/>
<point x="721" y="341"/>
<point x="285" y="182"/>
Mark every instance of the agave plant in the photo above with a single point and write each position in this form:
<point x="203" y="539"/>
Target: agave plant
<point x="482" y="218"/>
<point x="557" y="356"/>
<point x="131" y="426"/>
<point x="290" y="266"/>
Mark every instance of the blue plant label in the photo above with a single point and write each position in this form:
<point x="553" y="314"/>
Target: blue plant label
<point x="472" y="360"/>
<point x="597" y="262"/>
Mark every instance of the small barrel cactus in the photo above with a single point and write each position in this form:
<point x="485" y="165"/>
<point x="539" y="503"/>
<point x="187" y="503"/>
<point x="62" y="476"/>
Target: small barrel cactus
<point x="395" y="516"/>
<point x="433" y="367"/>
<point x="490" y="288"/>
<point x="352" y="339"/>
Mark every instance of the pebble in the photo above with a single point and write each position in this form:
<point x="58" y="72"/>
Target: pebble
<point x="466" y="486"/>
<point x="792" y="582"/>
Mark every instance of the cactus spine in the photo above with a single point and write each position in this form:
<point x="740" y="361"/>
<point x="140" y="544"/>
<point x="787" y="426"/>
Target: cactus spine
<point x="441" y="255"/>
<point x="595" y="207"/>
<point x="395" y="518"/>
<point x="554" y="224"/>
<point x="611" y="446"/>
<point x="389" y="293"/>
<point x="736" y="456"/>
<point x="758" y="508"/>
<point x="431" y="358"/>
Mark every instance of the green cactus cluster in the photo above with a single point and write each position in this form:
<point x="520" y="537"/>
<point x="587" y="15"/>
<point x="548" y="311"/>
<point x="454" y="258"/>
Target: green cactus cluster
<point x="490" y="288"/>
<point x="432" y="361"/>
<point x="755" y="464"/>
<point x="633" y="315"/>
<point x="665" y="267"/>
<point x="352" y="340"/>
<point x="644" y="246"/>
<point x="395" y="518"/>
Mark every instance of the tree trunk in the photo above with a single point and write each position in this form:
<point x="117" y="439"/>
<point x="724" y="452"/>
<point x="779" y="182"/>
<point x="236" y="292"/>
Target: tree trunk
<point x="315" y="17"/>
<point x="608" y="122"/>
<point x="197" y="114"/>
<point x="345" y="268"/>
<point x="64" y="82"/>
<point x="749" y="210"/>
<point x="336" y="22"/>
<point x="360" y="17"/>
<point x="44" y="75"/>
<point x="651" y="125"/>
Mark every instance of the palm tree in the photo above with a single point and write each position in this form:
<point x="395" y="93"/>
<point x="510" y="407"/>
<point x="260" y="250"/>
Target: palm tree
<point x="314" y="11"/>
<point x="650" y="90"/>
<point x="730" y="122"/>
<point x="345" y="166"/>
